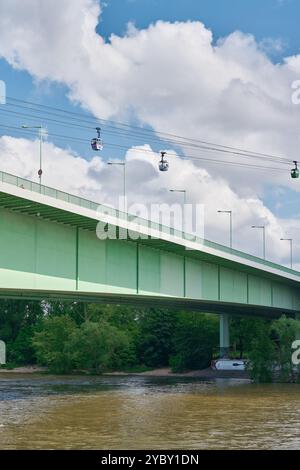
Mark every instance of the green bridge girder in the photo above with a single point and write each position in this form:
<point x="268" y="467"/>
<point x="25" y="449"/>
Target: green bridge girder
<point x="49" y="249"/>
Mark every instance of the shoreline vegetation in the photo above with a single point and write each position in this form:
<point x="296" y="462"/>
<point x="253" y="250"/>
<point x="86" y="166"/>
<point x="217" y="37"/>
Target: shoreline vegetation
<point x="76" y="338"/>
<point x="207" y="373"/>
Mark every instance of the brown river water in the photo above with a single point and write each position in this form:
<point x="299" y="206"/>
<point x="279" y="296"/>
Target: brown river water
<point x="51" y="412"/>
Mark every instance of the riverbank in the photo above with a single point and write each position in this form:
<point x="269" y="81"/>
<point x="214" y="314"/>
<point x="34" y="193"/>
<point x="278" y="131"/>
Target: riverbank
<point x="161" y="372"/>
<point x="24" y="370"/>
<point x="204" y="373"/>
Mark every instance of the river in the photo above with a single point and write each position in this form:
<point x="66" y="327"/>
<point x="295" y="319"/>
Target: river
<point x="51" y="412"/>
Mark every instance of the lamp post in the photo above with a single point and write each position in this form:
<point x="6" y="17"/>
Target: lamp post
<point x="230" y="225"/>
<point x="263" y="228"/>
<point x="290" y="240"/>
<point x="123" y="164"/>
<point x="24" y="126"/>
<point x="182" y="191"/>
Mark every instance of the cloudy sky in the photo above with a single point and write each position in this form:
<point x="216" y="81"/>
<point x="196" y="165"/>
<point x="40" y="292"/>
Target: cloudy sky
<point x="209" y="70"/>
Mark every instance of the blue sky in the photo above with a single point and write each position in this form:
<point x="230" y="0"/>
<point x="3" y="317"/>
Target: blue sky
<point x="273" y="23"/>
<point x="275" y="19"/>
<point x="263" y="18"/>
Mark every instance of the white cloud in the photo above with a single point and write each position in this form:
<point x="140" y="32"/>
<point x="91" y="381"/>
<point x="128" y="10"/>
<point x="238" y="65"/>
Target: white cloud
<point x="171" y="76"/>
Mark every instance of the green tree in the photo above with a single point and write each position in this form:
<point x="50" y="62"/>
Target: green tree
<point x="122" y="316"/>
<point x="17" y="321"/>
<point x="195" y="338"/>
<point x="242" y="332"/>
<point x="75" y="310"/>
<point x="21" y="351"/>
<point x="63" y="346"/>
<point x="15" y="314"/>
<point x="155" y="341"/>
<point x="285" y="330"/>
<point x="262" y="354"/>
<point x="99" y="346"/>
<point x="51" y="343"/>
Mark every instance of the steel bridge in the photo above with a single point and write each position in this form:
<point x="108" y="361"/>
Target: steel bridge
<point x="49" y="248"/>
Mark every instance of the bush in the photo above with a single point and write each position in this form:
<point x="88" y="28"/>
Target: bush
<point x="100" y="346"/>
<point x="261" y="355"/>
<point x="63" y="346"/>
<point x="52" y="344"/>
<point x="285" y="330"/>
<point x="178" y="363"/>
<point x="21" y="350"/>
<point x="270" y="352"/>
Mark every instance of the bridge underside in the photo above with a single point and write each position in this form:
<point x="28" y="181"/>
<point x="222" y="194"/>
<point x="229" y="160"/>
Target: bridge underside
<point x="203" y="306"/>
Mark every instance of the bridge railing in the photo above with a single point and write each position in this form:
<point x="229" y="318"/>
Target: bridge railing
<point x="87" y="204"/>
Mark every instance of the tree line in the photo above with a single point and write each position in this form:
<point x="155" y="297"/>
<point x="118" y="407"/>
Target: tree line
<point x="96" y="338"/>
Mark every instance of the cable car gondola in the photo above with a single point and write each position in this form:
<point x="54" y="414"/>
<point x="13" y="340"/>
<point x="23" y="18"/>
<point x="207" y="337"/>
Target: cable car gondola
<point x="97" y="143"/>
<point x="163" y="164"/>
<point x="295" y="171"/>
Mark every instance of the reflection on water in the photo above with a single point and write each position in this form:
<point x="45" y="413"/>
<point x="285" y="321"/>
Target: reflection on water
<point x="47" y="412"/>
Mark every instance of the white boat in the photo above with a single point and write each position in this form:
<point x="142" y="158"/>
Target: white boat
<point x="229" y="364"/>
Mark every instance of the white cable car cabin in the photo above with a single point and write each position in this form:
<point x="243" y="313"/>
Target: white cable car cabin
<point x="163" y="164"/>
<point x="295" y="171"/>
<point x="97" y="143"/>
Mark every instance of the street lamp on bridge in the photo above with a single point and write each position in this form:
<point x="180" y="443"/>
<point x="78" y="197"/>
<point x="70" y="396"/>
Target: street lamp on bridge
<point x="290" y="240"/>
<point x="123" y="164"/>
<point x="40" y="128"/>
<point x="263" y="228"/>
<point x="182" y="191"/>
<point x="230" y="225"/>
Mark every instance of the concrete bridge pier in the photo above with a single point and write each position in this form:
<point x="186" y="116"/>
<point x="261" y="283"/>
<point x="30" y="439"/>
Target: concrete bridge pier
<point x="224" y="335"/>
